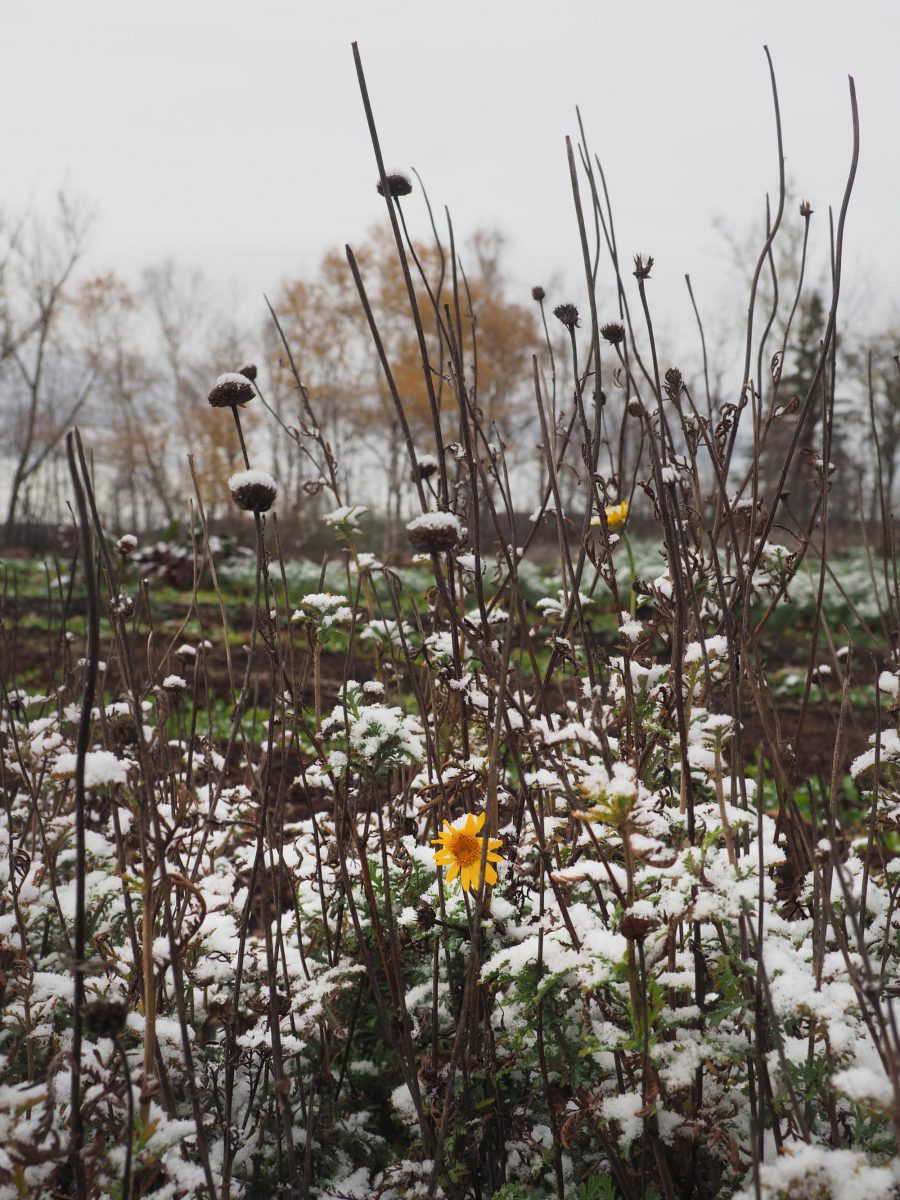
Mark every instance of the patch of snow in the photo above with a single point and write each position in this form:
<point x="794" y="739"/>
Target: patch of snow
<point x="100" y="768"/>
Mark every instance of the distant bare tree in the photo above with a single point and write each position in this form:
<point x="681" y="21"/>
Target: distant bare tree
<point x="883" y="387"/>
<point x="192" y="343"/>
<point x="131" y="441"/>
<point x="42" y="388"/>
<point x="326" y="328"/>
<point x="154" y="351"/>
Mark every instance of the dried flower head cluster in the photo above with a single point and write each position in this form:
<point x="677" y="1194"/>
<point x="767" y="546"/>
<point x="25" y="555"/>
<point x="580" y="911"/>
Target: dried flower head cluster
<point x="398" y="185"/>
<point x="254" y="491"/>
<point x="642" y="267"/>
<point x="568" y="314"/>
<point x="104" y="1018"/>
<point x="426" y="467"/>
<point x="673" y="384"/>
<point x="231" y="390"/>
<point x="434" y="532"/>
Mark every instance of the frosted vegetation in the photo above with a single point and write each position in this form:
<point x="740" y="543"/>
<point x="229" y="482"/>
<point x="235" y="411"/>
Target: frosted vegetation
<point x="471" y="875"/>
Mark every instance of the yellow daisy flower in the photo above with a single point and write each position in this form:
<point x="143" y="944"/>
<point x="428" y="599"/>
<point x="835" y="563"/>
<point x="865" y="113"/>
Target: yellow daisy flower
<point x="616" y="515"/>
<point x="461" y="850"/>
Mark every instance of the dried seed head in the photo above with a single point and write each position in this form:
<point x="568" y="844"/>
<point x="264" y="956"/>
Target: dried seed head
<point x="426" y="466"/>
<point x="248" y="370"/>
<point x="674" y="384"/>
<point x="231" y="390"/>
<point x="123" y="604"/>
<point x="398" y="185"/>
<point x="614" y="333"/>
<point x="568" y="314"/>
<point x="642" y="269"/>
<point x="434" y="532"/>
<point x="127" y="544"/>
<point x="538" y="293"/>
<point x="636" y="926"/>
<point x="104" y="1018"/>
<point x="425" y="915"/>
<point x="254" y="491"/>
<point x="806" y="209"/>
<point x="175" y="685"/>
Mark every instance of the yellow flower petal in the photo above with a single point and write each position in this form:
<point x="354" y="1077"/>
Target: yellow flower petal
<point x="616" y="515"/>
<point x="460" y="852"/>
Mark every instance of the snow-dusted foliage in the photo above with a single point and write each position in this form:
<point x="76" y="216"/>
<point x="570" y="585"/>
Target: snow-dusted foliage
<point x="641" y="974"/>
<point x="656" y="952"/>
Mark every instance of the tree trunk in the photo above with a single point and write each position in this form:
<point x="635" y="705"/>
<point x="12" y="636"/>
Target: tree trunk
<point x="13" y="504"/>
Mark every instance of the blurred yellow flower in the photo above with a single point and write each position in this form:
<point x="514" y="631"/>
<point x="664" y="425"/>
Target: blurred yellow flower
<point x="461" y="850"/>
<point x="616" y="515"/>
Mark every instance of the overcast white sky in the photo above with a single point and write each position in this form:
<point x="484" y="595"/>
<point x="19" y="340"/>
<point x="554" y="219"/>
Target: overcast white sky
<point x="231" y="136"/>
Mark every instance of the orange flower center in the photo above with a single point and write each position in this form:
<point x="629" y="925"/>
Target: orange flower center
<point x="466" y="849"/>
